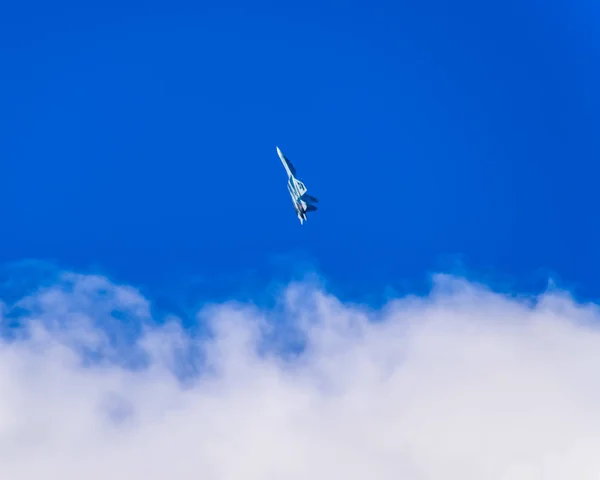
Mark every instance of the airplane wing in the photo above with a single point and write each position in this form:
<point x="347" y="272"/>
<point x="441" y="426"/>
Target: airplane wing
<point x="301" y="187"/>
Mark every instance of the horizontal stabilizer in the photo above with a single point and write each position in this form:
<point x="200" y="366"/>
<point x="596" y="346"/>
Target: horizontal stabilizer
<point x="309" y="198"/>
<point x="310" y="208"/>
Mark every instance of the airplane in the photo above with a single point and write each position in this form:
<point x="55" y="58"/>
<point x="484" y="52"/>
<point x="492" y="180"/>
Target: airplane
<point x="303" y="202"/>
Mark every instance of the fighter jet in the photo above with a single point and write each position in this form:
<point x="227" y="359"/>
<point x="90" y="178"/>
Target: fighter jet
<point x="303" y="202"/>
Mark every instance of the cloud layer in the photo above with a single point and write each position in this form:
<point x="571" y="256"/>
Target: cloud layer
<point x="462" y="384"/>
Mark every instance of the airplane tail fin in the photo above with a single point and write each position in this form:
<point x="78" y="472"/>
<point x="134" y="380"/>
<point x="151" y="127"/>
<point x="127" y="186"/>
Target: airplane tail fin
<point x="309" y="198"/>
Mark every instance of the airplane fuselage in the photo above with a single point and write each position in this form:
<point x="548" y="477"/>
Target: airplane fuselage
<point x="296" y="189"/>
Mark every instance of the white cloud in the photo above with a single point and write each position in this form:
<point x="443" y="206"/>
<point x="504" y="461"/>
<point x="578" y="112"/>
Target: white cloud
<point x="464" y="384"/>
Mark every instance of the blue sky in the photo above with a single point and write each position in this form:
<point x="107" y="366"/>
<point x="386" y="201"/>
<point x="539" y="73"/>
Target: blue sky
<point x="139" y="141"/>
<point x="141" y="191"/>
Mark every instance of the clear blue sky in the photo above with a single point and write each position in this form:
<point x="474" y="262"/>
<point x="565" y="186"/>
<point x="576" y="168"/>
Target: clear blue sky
<point x="138" y="140"/>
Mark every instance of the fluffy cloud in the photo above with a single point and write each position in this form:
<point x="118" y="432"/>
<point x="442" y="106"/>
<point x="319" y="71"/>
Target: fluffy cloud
<point x="462" y="384"/>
